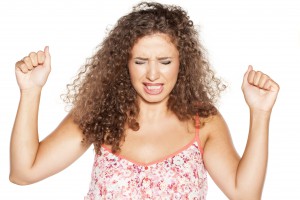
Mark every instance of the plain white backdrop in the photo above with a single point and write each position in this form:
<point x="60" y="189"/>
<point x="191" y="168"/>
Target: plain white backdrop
<point x="235" y="33"/>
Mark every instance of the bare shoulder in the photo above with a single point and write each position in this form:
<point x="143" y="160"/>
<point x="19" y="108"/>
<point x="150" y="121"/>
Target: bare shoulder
<point x="214" y="127"/>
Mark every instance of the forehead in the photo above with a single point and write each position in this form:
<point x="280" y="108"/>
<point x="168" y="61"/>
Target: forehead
<point x="157" y="43"/>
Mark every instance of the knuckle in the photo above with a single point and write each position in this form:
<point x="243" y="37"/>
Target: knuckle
<point x="250" y="78"/>
<point x="40" y="56"/>
<point x="26" y="59"/>
<point x="32" y="55"/>
<point x="18" y="63"/>
<point x="23" y="68"/>
<point x="252" y="74"/>
<point x="259" y="74"/>
<point x="23" y="65"/>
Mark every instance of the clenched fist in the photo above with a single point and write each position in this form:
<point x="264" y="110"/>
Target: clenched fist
<point x="33" y="70"/>
<point x="260" y="91"/>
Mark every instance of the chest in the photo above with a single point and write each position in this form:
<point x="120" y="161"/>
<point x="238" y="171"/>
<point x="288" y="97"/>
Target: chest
<point x="150" y="145"/>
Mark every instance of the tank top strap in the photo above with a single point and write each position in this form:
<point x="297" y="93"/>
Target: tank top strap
<point x="197" y="132"/>
<point x="197" y="125"/>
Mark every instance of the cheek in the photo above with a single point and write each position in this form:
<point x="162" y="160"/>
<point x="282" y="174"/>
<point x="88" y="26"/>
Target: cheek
<point x="172" y="72"/>
<point x="131" y="71"/>
<point x="135" y="73"/>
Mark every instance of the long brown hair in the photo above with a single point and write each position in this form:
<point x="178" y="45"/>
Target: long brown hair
<point x="102" y="96"/>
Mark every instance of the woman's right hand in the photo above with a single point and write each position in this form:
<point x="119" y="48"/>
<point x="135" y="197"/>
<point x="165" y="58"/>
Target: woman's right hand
<point x="33" y="70"/>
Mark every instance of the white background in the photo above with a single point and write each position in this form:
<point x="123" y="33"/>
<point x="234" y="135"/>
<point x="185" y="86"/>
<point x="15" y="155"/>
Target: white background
<point x="236" y="33"/>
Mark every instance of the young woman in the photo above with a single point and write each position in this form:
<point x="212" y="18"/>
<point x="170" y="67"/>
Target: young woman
<point x="145" y="101"/>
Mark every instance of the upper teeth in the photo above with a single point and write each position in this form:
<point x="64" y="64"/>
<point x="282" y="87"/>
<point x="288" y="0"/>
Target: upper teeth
<point x="153" y="87"/>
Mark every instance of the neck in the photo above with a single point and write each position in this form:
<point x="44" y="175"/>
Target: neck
<point x="153" y="112"/>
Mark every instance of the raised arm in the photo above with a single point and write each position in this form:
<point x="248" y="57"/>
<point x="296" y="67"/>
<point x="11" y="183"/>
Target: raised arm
<point x="30" y="159"/>
<point x="243" y="178"/>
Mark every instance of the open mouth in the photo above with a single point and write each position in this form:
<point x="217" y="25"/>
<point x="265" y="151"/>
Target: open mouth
<point x="153" y="89"/>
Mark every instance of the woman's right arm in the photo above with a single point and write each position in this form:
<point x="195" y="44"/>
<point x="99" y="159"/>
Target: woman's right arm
<point x="32" y="160"/>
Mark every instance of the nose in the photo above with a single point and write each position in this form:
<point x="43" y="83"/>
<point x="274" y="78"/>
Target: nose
<point x="152" y="71"/>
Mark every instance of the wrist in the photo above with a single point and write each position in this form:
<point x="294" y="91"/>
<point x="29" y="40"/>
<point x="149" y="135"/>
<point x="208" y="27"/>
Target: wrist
<point x="31" y="91"/>
<point x="260" y="116"/>
<point x="260" y="112"/>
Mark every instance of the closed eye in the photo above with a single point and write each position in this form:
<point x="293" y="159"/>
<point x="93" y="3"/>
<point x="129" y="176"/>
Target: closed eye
<point x="139" y="62"/>
<point x="166" y="62"/>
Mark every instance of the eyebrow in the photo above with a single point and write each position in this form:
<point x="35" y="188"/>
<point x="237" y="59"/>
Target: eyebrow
<point x="145" y="59"/>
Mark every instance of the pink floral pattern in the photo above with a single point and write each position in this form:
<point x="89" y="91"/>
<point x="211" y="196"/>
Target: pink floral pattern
<point x="179" y="176"/>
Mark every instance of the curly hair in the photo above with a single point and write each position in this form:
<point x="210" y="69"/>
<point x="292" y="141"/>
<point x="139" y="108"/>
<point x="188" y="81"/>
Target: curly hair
<point x="102" y="96"/>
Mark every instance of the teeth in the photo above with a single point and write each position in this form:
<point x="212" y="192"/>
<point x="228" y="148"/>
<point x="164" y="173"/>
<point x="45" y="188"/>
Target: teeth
<point x="153" y="87"/>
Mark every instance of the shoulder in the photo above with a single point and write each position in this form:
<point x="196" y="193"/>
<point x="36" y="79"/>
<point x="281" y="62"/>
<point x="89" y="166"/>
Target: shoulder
<point x="213" y="127"/>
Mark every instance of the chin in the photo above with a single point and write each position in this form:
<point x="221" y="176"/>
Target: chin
<point x="154" y="100"/>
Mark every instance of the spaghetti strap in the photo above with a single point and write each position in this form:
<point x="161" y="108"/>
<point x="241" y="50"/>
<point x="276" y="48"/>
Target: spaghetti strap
<point x="197" y="124"/>
<point x="197" y="132"/>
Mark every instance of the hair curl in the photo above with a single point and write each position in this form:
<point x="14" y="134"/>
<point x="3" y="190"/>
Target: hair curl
<point x="102" y="96"/>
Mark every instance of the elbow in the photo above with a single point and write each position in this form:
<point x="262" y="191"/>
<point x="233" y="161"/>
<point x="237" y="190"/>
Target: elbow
<point x="18" y="180"/>
<point x="251" y="197"/>
<point x="246" y="196"/>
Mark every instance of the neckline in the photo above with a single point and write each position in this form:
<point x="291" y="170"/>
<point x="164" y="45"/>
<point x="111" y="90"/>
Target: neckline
<point x="177" y="152"/>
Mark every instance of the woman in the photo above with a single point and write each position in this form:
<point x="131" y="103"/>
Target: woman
<point x="145" y="101"/>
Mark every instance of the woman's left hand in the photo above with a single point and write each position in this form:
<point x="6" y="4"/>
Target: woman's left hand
<point x="260" y="91"/>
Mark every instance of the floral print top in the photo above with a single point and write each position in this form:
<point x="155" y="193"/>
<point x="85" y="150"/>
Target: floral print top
<point x="181" y="175"/>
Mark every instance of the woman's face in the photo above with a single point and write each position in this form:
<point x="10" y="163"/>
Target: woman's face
<point x="153" y="67"/>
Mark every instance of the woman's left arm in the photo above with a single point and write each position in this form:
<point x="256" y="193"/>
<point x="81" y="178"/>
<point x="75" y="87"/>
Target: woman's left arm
<point x="243" y="178"/>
